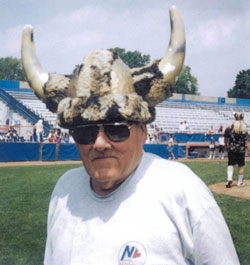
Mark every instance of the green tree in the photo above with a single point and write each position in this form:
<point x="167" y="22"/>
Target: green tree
<point x="241" y="89"/>
<point x="11" y="69"/>
<point x="132" y="59"/>
<point x="187" y="83"/>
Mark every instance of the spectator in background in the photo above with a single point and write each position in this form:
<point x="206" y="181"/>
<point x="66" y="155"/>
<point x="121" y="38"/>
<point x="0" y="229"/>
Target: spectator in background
<point x="65" y="138"/>
<point x="71" y="139"/>
<point x="58" y="136"/>
<point x="155" y="139"/>
<point x="211" y="130"/>
<point x="3" y="137"/>
<point x="220" y="129"/>
<point x="34" y="136"/>
<point x="39" y="130"/>
<point x="186" y="127"/>
<point x="148" y="140"/>
<point x="12" y="134"/>
<point x="52" y="137"/>
<point x="211" y="148"/>
<point x="170" y="147"/>
<point x="236" y="142"/>
<point x="182" y="127"/>
<point x="221" y="141"/>
<point x="28" y="136"/>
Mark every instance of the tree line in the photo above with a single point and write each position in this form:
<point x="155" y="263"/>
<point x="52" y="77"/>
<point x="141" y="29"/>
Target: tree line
<point x="11" y="69"/>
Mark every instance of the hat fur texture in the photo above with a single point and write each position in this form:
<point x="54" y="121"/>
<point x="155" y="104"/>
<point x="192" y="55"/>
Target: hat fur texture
<point x="101" y="90"/>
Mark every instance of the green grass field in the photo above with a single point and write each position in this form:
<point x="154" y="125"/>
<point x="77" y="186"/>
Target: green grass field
<point x="25" y="192"/>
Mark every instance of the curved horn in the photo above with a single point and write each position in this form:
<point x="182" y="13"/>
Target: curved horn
<point x="154" y="82"/>
<point x="171" y="64"/>
<point x="34" y="72"/>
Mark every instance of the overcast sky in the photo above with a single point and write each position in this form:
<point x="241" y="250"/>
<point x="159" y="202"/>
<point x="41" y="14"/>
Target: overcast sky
<point x="217" y="33"/>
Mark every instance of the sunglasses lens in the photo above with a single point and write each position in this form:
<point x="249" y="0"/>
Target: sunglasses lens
<point x="88" y="134"/>
<point x="117" y="133"/>
<point x="85" y="135"/>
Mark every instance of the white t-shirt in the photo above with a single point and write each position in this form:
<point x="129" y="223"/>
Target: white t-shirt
<point x="221" y="141"/>
<point x="182" y="127"/>
<point x="39" y="126"/>
<point x="170" y="142"/>
<point x="162" y="214"/>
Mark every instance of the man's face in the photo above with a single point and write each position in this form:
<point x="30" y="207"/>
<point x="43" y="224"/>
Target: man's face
<point x="110" y="163"/>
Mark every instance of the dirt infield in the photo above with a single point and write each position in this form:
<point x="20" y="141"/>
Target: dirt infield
<point x="235" y="191"/>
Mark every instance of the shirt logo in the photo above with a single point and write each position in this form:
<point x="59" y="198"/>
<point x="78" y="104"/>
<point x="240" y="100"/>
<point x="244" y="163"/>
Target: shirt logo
<point x="132" y="253"/>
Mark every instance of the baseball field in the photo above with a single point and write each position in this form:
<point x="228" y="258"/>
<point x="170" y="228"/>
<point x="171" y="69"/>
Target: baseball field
<point x="25" y="192"/>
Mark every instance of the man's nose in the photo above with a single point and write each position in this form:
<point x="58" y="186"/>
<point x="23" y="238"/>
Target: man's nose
<point x="102" y="142"/>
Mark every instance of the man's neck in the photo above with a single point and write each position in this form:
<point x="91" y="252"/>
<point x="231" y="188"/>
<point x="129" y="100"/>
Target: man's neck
<point x="106" y="187"/>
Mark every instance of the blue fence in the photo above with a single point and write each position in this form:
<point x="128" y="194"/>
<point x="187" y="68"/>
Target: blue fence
<point x="50" y="152"/>
<point x="19" y="152"/>
<point x="185" y="137"/>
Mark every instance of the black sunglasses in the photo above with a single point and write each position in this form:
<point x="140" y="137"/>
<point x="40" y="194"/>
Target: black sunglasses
<point x="87" y="134"/>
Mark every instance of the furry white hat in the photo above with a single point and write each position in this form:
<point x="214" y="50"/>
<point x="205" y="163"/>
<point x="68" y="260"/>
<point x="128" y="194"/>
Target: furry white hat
<point x="104" y="88"/>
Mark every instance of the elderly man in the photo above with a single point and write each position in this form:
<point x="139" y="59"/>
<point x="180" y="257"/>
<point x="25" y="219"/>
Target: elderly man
<point x="124" y="206"/>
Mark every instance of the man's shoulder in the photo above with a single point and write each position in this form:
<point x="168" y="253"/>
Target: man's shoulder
<point x="71" y="178"/>
<point x="160" y="167"/>
<point x="176" y="181"/>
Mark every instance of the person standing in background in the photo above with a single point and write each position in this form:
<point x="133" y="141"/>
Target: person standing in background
<point x="221" y="141"/>
<point x="236" y="142"/>
<point x="211" y="148"/>
<point x="170" y="147"/>
<point x="39" y="130"/>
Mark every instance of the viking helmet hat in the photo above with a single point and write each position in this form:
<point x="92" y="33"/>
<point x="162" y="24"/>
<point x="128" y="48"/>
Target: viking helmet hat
<point x="104" y="88"/>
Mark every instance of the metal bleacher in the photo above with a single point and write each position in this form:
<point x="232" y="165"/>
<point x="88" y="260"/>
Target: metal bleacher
<point x="199" y="116"/>
<point x="31" y="101"/>
<point x="200" y="112"/>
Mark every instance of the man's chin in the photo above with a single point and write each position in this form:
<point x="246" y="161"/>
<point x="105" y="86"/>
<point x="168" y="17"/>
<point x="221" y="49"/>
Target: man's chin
<point x="105" y="182"/>
<point x="105" y="175"/>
